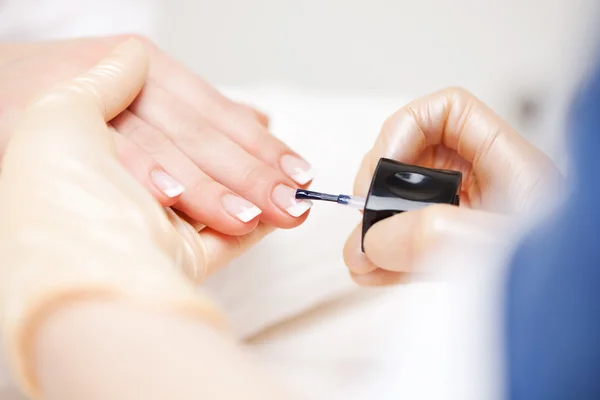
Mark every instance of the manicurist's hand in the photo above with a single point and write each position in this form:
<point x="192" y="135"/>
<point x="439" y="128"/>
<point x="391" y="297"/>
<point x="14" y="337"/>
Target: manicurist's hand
<point x="503" y="174"/>
<point x="192" y="148"/>
<point x="97" y="280"/>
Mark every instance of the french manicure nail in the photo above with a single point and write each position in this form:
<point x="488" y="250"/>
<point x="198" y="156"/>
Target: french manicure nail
<point x="285" y="197"/>
<point x="297" y="169"/>
<point x="240" y="208"/>
<point x="166" y="183"/>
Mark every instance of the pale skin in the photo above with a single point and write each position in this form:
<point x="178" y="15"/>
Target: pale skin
<point x="143" y="266"/>
<point x="179" y="127"/>
<point x="72" y="279"/>
<point x="503" y="176"/>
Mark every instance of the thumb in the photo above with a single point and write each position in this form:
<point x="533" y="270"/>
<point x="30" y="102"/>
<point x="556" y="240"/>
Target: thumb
<point x="398" y="243"/>
<point x="69" y="120"/>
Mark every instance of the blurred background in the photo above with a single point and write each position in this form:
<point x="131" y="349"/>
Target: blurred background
<point x="522" y="57"/>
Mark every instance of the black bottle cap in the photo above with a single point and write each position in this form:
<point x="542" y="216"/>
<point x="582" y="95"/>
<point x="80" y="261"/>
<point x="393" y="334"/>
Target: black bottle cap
<point x="398" y="187"/>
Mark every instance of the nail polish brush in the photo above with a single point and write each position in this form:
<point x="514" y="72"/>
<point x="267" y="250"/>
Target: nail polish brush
<point x="350" y="201"/>
<point x="396" y="187"/>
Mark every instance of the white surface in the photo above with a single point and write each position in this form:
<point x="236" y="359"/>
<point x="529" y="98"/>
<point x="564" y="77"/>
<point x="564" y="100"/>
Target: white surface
<point x="435" y="340"/>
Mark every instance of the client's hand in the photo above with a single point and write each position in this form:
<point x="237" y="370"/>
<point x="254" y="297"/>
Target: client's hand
<point x="77" y="227"/>
<point x="502" y="174"/>
<point x="194" y="149"/>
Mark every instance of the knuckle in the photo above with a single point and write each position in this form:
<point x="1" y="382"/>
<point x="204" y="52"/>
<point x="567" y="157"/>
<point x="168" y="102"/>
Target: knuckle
<point x="144" y="136"/>
<point x="248" y="113"/>
<point x="241" y="110"/>
<point x="392" y="121"/>
<point x="458" y="91"/>
<point x="129" y="126"/>
<point x="202" y="187"/>
<point x="188" y="130"/>
<point x="399" y="124"/>
<point x="139" y="37"/>
<point x="258" y="177"/>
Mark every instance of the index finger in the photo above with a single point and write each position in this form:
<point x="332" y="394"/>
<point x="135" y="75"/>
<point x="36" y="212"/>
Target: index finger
<point x="459" y="121"/>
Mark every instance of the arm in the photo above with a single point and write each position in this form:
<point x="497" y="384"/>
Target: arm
<point x="122" y="352"/>
<point x="95" y="292"/>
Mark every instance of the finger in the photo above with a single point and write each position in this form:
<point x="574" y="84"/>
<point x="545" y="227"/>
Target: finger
<point x="221" y="249"/>
<point x="398" y="243"/>
<point x="456" y="119"/>
<point x="239" y="123"/>
<point x="224" y="160"/>
<point x="354" y="258"/>
<point x="94" y="98"/>
<point x="198" y="226"/>
<point x="379" y="277"/>
<point x="204" y="200"/>
<point x="208" y="249"/>
<point x="260" y="116"/>
<point x="159" y="183"/>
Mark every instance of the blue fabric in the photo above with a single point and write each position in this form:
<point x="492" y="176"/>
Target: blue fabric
<point x="553" y="291"/>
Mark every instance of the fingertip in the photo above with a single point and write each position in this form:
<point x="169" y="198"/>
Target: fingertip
<point x="238" y="216"/>
<point x="284" y="210"/>
<point x="160" y="197"/>
<point x="164" y="183"/>
<point x="218" y="220"/>
<point x="356" y="261"/>
<point x="238" y="229"/>
<point x="283" y="220"/>
<point x="297" y="169"/>
<point x="239" y="208"/>
<point x="378" y="278"/>
<point x="166" y="196"/>
<point x="162" y="186"/>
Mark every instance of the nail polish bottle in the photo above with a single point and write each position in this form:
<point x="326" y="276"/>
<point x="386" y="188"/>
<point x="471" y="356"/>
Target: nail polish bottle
<point x="397" y="187"/>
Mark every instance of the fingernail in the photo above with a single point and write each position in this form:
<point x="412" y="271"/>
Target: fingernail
<point x="166" y="183"/>
<point x="297" y="169"/>
<point x="240" y="208"/>
<point x="285" y="197"/>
